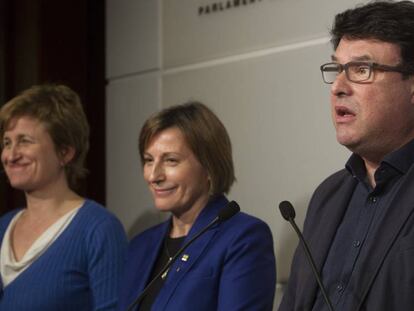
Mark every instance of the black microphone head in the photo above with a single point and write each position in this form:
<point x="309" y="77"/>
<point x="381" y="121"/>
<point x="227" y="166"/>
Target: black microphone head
<point x="287" y="210"/>
<point x="229" y="211"/>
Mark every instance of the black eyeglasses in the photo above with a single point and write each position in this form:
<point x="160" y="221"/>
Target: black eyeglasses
<point x="359" y="72"/>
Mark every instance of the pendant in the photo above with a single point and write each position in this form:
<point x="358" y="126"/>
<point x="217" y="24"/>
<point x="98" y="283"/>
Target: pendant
<point x="164" y="275"/>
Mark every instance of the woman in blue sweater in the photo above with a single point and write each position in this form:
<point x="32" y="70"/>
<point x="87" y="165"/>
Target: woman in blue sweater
<point x="61" y="251"/>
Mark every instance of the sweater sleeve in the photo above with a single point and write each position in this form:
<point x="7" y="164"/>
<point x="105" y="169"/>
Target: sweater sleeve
<point x="106" y="251"/>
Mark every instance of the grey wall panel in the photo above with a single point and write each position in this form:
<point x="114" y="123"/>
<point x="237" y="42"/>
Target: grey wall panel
<point x="132" y="36"/>
<point x="276" y="109"/>
<point x="190" y="38"/>
<point x="257" y="66"/>
<point x="129" y="102"/>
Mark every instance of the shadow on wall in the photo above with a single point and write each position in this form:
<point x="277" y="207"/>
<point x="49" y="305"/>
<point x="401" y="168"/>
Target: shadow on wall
<point x="145" y="220"/>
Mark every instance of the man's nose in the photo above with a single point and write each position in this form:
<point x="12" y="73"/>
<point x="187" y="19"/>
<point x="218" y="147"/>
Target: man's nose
<point x="341" y="85"/>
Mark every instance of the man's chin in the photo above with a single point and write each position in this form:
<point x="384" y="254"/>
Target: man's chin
<point x="347" y="141"/>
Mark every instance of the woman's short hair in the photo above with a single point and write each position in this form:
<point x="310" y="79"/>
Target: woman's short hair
<point x="205" y="135"/>
<point x="60" y="110"/>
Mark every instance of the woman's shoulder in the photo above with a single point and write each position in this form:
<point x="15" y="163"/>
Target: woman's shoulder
<point x="245" y="219"/>
<point x="96" y="212"/>
<point x="9" y="215"/>
<point x="238" y="221"/>
<point x="96" y="226"/>
<point x="244" y="224"/>
<point x="6" y="219"/>
<point x="93" y="217"/>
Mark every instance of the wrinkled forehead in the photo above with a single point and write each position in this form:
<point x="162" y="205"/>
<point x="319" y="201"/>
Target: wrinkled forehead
<point x="23" y="123"/>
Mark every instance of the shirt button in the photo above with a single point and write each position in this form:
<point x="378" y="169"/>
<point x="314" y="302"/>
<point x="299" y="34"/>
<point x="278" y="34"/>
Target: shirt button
<point x="356" y="243"/>
<point x="373" y="199"/>
<point x="339" y="287"/>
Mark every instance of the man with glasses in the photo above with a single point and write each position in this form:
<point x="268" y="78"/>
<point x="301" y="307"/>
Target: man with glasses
<point x="360" y="221"/>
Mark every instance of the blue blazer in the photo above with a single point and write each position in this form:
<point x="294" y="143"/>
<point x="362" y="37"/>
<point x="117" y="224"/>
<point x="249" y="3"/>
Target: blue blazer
<point x="230" y="267"/>
<point x="385" y="280"/>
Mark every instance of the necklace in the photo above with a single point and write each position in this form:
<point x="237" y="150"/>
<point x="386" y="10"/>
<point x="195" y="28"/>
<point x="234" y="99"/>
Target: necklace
<point x="167" y="252"/>
<point x="171" y="246"/>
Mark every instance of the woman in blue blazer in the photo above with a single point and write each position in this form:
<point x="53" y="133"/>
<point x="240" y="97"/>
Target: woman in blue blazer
<point x="187" y="162"/>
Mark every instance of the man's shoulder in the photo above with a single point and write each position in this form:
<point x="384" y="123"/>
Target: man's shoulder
<point x="337" y="186"/>
<point x="335" y="180"/>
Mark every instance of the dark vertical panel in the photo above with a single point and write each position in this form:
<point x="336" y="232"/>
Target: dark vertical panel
<point x="24" y="42"/>
<point x="95" y="98"/>
<point x="73" y="53"/>
<point x="3" y="23"/>
<point x="20" y="35"/>
<point x="59" y="41"/>
<point x="63" y="40"/>
<point x="63" y="43"/>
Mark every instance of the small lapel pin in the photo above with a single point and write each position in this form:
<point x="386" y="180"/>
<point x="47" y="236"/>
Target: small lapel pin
<point x="185" y="257"/>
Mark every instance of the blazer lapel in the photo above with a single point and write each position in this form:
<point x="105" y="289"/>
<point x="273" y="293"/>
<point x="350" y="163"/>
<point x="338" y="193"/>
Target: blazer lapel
<point x="148" y="256"/>
<point x="327" y="213"/>
<point x="183" y="264"/>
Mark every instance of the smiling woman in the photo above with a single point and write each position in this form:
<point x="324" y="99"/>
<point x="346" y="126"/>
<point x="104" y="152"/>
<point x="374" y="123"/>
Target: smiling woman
<point x="176" y="179"/>
<point x="187" y="163"/>
<point x="73" y="244"/>
<point x="29" y="156"/>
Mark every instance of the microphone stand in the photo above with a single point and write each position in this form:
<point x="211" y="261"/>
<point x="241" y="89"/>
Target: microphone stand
<point x="312" y="264"/>
<point x="288" y="213"/>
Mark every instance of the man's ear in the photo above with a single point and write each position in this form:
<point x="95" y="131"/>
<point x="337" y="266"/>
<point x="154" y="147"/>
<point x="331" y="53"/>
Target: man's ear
<point x="66" y="155"/>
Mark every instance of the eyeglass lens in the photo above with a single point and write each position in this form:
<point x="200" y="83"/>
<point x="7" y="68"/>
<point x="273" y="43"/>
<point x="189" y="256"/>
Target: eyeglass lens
<point x="355" y="72"/>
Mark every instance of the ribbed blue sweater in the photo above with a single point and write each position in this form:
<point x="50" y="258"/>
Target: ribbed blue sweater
<point x="79" y="271"/>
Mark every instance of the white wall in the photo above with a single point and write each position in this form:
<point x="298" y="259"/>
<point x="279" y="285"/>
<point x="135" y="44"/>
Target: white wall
<point x="257" y="67"/>
<point x="133" y="63"/>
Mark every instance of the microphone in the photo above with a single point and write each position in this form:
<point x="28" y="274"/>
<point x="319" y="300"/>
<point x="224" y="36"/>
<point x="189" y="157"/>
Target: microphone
<point x="288" y="213"/>
<point x="229" y="211"/>
<point x="224" y="214"/>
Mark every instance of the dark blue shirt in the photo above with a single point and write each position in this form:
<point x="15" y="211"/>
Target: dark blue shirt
<point x="365" y="212"/>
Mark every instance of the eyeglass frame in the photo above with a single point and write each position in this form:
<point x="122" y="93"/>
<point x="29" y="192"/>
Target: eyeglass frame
<point x="371" y="65"/>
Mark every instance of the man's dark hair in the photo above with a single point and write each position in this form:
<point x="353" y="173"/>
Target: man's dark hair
<point x="387" y="21"/>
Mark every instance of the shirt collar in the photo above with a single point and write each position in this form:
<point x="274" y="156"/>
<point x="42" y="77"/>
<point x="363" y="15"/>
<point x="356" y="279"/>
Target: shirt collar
<point x="399" y="160"/>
